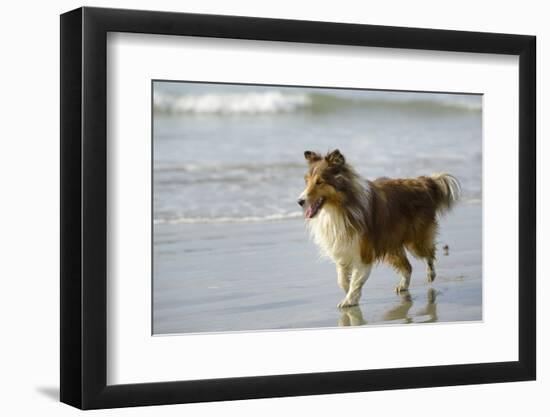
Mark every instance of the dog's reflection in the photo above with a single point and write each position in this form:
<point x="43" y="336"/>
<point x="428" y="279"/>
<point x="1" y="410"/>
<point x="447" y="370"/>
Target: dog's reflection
<point x="430" y="309"/>
<point x="353" y="316"/>
<point x="401" y="311"/>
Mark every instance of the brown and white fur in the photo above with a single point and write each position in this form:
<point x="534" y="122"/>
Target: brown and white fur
<point x="357" y="222"/>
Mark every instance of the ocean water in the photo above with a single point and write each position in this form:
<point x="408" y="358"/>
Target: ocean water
<point x="234" y="153"/>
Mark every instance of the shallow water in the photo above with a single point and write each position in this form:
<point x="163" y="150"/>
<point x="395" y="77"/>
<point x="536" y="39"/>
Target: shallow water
<point x="235" y="153"/>
<point x="258" y="276"/>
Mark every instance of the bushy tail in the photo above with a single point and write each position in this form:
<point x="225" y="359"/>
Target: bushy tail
<point x="449" y="191"/>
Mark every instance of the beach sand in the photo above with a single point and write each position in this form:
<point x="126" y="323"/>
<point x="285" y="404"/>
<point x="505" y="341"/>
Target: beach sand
<point x="268" y="275"/>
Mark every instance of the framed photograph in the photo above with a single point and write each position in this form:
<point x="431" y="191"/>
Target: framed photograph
<point x="257" y="208"/>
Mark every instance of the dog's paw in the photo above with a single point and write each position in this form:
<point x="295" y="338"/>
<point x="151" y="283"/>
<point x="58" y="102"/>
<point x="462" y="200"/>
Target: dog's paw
<point x="346" y="303"/>
<point x="431" y="276"/>
<point x="400" y="289"/>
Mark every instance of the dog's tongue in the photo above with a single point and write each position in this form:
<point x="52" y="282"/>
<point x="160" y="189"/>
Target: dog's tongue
<point x="309" y="212"/>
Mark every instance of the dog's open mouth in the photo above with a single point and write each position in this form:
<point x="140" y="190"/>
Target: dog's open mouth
<point x="314" y="208"/>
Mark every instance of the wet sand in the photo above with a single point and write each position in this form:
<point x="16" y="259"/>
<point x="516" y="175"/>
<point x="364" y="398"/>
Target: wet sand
<point x="268" y="275"/>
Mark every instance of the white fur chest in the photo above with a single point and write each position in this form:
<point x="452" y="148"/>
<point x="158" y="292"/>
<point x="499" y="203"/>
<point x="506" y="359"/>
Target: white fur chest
<point x="332" y="233"/>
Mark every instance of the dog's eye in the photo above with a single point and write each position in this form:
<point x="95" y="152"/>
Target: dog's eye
<point x="318" y="182"/>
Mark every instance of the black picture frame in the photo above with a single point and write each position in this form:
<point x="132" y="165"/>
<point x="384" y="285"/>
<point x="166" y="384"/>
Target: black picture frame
<point x="84" y="207"/>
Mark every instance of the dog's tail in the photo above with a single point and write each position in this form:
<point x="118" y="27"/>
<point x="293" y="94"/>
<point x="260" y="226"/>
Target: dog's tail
<point x="448" y="191"/>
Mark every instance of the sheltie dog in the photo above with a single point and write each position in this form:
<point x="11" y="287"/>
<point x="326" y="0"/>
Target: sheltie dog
<point x="357" y="222"/>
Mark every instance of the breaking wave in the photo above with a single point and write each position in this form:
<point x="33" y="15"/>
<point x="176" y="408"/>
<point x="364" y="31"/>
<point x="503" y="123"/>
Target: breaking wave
<point x="278" y="102"/>
<point x="247" y="103"/>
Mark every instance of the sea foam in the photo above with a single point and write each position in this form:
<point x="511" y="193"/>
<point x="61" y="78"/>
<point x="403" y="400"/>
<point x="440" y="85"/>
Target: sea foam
<point x="246" y="103"/>
<point x="245" y="219"/>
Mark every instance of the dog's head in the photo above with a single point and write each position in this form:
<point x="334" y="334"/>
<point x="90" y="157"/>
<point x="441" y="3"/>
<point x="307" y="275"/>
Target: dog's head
<point x="325" y="182"/>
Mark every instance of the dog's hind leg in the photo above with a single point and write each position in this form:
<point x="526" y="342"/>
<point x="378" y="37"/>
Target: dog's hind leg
<point x="402" y="265"/>
<point x="359" y="276"/>
<point x="425" y="248"/>
<point x="430" y="269"/>
<point x="428" y="253"/>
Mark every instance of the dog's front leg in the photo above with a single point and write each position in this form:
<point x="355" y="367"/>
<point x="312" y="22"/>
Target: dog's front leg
<point x="343" y="270"/>
<point x="359" y="276"/>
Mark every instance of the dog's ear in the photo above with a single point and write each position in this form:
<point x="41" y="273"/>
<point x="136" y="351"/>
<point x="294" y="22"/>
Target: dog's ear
<point x="335" y="158"/>
<point x="312" y="157"/>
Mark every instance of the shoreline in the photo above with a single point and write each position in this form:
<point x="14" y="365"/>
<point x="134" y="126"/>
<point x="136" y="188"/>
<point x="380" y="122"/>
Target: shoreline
<point x="229" y="277"/>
